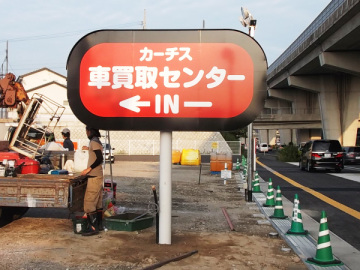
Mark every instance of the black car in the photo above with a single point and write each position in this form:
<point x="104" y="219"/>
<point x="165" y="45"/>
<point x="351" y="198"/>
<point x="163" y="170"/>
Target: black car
<point x="351" y="154"/>
<point x="326" y="154"/>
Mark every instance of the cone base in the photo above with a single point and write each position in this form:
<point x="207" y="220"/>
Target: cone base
<point x="324" y="263"/>
<point x="268" y="205"/>
<point x="305" y="232"/>
<point x="280" y="217"/>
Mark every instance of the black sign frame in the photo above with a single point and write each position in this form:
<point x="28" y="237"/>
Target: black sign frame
<point x="167" y="36"/>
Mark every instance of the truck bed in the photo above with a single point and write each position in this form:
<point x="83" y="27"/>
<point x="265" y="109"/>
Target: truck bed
<point x="43" y="190"/>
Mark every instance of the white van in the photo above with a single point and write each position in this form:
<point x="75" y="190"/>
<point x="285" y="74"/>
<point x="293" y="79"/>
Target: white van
<point x="264" y="147"/>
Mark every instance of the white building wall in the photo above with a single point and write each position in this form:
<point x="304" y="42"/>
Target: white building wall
<point x="42" y="77"/>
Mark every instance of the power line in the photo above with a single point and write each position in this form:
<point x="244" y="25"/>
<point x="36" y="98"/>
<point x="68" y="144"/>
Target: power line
<point x="64" y="34"/>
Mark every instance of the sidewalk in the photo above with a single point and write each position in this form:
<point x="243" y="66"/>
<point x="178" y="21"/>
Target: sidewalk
<point x="305" y="246"/>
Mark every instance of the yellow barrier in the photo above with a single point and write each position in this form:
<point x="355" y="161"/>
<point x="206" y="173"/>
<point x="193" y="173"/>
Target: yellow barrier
<point x="176" y="154"/>
<point x="190" y="157"/>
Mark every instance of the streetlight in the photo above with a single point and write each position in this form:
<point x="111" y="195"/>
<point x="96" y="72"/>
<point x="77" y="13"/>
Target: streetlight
<point x="247" y="20"/>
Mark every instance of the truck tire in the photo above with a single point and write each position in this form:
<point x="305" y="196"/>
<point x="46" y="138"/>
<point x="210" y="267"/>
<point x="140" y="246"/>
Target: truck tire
<point x="9" y="214"/>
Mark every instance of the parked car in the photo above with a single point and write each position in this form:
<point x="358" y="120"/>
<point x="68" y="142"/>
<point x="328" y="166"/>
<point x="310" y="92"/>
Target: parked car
<point x="326" y="154"/>
<point x="264" y="147"/>
<point x="107" y="149"/>
<point x="351" y="154"/>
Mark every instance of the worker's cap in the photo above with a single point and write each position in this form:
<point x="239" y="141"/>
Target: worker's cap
<point x="65" y="130"/>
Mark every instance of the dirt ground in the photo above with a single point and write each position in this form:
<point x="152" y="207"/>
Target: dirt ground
<point x="46" y="240"/>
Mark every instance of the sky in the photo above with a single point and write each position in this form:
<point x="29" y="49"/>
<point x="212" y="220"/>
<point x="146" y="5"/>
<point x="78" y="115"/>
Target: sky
<point x="42" y="33"/>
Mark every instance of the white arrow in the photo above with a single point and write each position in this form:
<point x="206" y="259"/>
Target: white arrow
<point x="195" y="104"/>
<point x="133" y="103"/>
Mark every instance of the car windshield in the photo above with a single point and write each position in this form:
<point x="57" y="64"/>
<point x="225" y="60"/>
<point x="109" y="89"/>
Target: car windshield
<point x="331" y="146"/>
<point x="107" y="146"/>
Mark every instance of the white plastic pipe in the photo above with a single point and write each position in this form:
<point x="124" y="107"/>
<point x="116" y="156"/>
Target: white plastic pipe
<point x="165" y="187"/>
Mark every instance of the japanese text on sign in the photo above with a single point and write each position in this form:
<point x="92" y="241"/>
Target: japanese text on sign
<point x="148" y="77"/>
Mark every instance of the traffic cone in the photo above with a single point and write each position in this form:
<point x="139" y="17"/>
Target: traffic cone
<point x="237" y="164"/>
<point x="324" y="256"/>
<point x="296" y="223"/>
<point x="243" y="161"/>
<point x="244" y="174"/>
<point x="270" y="202"/>
<point x="279" y="210"/>
<point x="256" y="176"/>
<point x="256" y="184"/>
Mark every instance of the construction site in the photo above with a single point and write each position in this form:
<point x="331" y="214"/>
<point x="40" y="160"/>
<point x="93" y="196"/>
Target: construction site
<point x="45" y="238"/>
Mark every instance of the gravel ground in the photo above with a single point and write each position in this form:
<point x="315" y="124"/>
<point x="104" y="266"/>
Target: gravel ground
<point x="44" y="238"/>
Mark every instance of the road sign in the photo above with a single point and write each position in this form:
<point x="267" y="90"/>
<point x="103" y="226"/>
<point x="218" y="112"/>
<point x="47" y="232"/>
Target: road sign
<point x="201" y="80"/>
<point x="214" y="145"/>
<point x="225" y="174"/>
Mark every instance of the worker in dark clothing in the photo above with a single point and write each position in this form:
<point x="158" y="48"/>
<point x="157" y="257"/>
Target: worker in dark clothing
<point x="94" y="190"/>
<point x="68" y="144"/>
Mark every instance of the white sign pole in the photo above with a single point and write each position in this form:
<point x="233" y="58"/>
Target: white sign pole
<point x="165" y="187"/>
<point x="250" y="162"/>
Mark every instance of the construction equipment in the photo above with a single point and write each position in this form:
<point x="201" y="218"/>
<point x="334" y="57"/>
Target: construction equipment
<point x="12" y="92"/>
<point x="18" y="192"/>
<point x="24" y="144"/>
<point x="22" y="139"/>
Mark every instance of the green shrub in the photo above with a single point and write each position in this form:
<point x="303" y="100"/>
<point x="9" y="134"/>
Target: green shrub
<point x="289" y="153"/>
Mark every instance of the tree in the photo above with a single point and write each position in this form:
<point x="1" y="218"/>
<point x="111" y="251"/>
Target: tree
<point x="235" y="134"/>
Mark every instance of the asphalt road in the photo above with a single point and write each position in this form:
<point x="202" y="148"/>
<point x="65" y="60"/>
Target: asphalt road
<point x="345" y="222"/>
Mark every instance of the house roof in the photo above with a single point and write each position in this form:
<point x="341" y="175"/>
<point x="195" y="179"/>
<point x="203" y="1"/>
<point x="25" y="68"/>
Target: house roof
<point x="46" y="84"/>
<point x="42" y="69"/>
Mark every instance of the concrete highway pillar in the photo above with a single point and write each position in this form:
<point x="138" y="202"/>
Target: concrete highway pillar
<point x="340" y="103"/>
<point x="330" y="108"/>
<point x="351" y="112"/>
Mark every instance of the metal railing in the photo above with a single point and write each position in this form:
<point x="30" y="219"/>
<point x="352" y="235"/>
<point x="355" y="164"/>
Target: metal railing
<point x="152" y="147"/>
<point x="3" y="113"/>
<point x="288" y="110"/>
<point x="329" y="11"/>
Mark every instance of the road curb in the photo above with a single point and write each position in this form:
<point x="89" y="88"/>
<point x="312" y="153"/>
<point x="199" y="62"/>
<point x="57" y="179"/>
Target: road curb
<point x="305" y="246"/>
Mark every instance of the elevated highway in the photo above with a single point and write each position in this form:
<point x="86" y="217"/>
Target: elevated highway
<point x="317" y="80"/>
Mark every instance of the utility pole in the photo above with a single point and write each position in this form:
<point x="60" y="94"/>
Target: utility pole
<point x="6" y="60"/>
<point x="7" y="57"/>
<point x="144" y="21"/>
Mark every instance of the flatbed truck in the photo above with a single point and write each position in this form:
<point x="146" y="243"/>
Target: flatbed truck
<point x="19" y="192"/>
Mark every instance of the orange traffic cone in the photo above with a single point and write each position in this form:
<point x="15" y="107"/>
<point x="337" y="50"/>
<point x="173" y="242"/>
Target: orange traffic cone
<point x="270" y="202"/>
<point x="324" y="256"/>
<point x="296" y="223"/>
